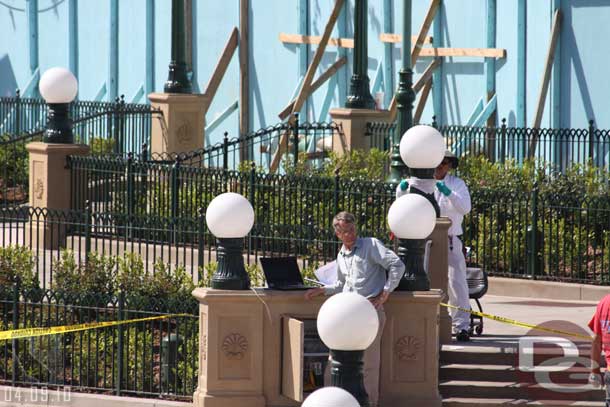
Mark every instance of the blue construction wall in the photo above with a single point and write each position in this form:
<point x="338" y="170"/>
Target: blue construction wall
<point x="138" y="35"/>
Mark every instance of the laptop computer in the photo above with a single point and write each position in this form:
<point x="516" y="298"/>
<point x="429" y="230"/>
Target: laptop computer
<point x="282" y="273"/>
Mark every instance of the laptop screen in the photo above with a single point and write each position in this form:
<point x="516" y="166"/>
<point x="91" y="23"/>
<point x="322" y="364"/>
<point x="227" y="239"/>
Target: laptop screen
<point x="281" y="271"/>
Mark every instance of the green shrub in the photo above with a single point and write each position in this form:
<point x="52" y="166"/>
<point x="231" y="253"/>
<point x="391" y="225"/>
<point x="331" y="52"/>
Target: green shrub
<point x="17" y="263"/>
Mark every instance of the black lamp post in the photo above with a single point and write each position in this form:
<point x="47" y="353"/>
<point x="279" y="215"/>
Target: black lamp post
<point x="412" y="217"/>
<point x="58" y="87"/>
<point x="405" y="96"/>
<point x="230" y="217"/>
<point x="230" y="273"/>
<point x="177" y="80"/>
<point x="348" y="324"/>
<point x="359" y="89"/>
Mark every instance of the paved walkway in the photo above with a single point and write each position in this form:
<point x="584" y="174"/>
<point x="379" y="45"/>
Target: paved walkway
<point x="565" y="315"/>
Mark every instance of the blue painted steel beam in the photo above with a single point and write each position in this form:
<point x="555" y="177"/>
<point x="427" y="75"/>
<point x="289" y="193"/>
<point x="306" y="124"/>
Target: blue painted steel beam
<point x="113" y="58"/>
<point x="478" y="108"/>
<point x="31" y="89"/>
<point x="73" y="36"/>
<point x="31" y="8"/>
<point x="556" y="75"/>
<point x="490" y="63"/>
<point x="388" y="54"/>
<point x="149" y="85"/>
<point x="214" y="124"/>
<point x="521" y="62"/>
<point x="138" y="95"/>
<point x="437" y="76"/>
<point x="101" y="93"/>
<point x="487" y="111"/>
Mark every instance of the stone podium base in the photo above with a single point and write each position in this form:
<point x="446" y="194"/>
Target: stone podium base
<point x="251" y="348"/>
<point x="353" y="122"/>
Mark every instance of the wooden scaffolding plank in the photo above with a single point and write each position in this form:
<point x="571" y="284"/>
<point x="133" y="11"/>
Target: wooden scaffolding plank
<point x="244" y="75"/>
<point x="422" y="101"/>
<point x="423" y="32"/>
<point x="397" y="38"/>
<point x="544" y="86"/>
<point x="305" y="88"/>
<point x="223" y="64"/>
<point x="315" y="85"/>
<point x="463" y="52"/>
<point x="315" y="39"/>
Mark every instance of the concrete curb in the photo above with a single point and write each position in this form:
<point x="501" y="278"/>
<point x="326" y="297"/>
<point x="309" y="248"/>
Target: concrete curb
<point x="513" y="287"/>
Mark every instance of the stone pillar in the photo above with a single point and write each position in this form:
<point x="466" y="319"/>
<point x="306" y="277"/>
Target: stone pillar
<point x="251" y="348"/>
<point x="353" y="122"/>
<point x="50" y="187"/>
<point x="410" y="350"/>
<point x="438" y="273"/>
<point x="182" y="126"/>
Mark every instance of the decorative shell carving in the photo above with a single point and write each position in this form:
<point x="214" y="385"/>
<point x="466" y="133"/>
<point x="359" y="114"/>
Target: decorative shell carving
<point x="184" y="133"/>
<point x="408" y="348"/>
<point x="39" y="189"/>
<point x="235" y="346"/>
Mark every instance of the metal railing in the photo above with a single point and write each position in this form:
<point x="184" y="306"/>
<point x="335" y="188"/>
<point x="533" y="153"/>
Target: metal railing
<point x="146" y="359"/>
<point x="309" y="141"/>
<point x="560" y="148"/>
<point x="297" y="210"/>
<point x="115" y="129"/>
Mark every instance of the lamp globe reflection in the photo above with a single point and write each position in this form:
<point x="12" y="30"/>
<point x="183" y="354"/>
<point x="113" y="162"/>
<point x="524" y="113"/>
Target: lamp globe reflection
<point x="330" y="397"/>
<point x="422" y="147"/>
<point x="58" y="87"/>
<point x="348" y="324"/>
<point x="230" y="217"/>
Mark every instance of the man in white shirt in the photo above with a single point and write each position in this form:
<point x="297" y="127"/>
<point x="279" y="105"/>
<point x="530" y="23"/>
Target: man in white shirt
<point x="453" y="198"/>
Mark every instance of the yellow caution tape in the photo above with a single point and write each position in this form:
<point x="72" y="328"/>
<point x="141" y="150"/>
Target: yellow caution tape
<point x="33" y="332"/>
<point x="517" y="323"/>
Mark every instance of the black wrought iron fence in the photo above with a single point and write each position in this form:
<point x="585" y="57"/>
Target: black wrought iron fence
<point x="276" y="147"/>
<point x="559" y="148"/>
<point x="294" y="215"/>
<point x="118" y="129"/>
<point x="149" y="358"/>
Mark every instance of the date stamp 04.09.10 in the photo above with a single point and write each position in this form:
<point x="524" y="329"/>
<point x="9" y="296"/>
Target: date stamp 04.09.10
<point x="36" y="396"/>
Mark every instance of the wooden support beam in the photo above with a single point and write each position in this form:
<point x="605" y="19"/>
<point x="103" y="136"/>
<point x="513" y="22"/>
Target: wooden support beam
<point x="397" y="38"/>
<point x="424" y="31"/>
<point x="305" y="88"/>
<point x="223" y="64"/>
<point x="544" y="86"/>
<point x="244" y="72"/>
<point x="463" y="52"/>
<point x="422" y="101"/>
<point x="418" y="85"/>
<point x="314" y="86"/>
<point x="315" y="39"/>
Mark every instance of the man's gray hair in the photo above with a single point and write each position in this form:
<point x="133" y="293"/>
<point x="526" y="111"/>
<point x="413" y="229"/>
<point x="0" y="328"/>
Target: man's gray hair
<point x="344" y="216"/>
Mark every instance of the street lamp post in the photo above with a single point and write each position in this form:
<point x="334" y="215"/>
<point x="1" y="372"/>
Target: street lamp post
<point x="359" y="89"/>
<point x="405" y="96"/>
<point x="412" y="217"/>
<point x="230" y="218"/>
<point x="348" y="324"/>
<point x="58" y="87"/>
<point x="177" y="80"/>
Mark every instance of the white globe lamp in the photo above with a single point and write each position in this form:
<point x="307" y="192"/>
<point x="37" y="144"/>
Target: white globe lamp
<point x="411" y="217"/>
<point x="422" y="147"/>
<point x="58" y="87"/>
<point x="330" y="397"/>
<point x="230" y="217"/>
<point x="348" y="324"/>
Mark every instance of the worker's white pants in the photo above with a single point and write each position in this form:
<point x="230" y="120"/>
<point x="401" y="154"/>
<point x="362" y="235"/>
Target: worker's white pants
<point x="457" y="286"/>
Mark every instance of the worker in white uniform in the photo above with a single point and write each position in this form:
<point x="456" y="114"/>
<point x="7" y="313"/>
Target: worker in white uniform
<point x="453" y="198"/>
